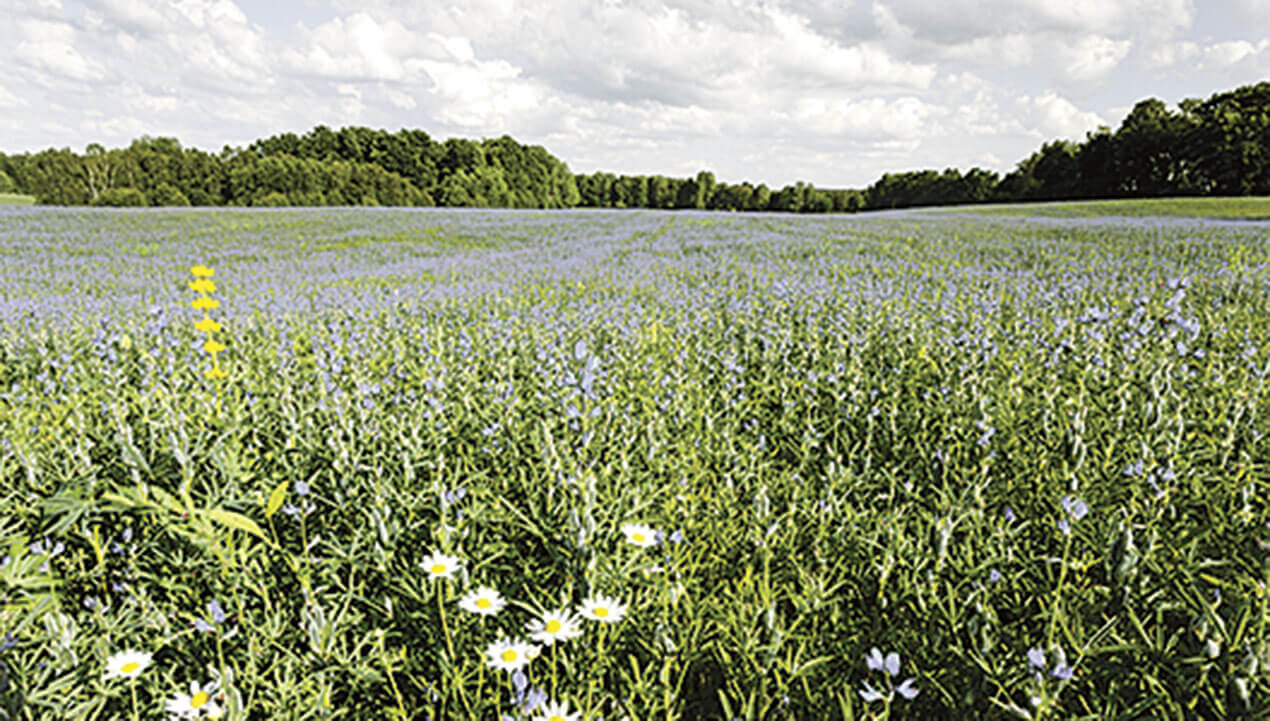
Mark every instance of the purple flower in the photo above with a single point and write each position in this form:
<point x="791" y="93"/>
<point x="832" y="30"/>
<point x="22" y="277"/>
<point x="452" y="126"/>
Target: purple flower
<point x="874" y="660"/>
<point x="217" y="613"/>
<point x="520" y="682"/>
<point x="1075" y="507"/>
<point x="1009" y="515"/>
<point x="907" y="689"/>
<point x="535" y="698"/>
<point x="994" y="576"/>
<point x="1062" y="672"/>
<point x="893" y="663"/>
<point x="1036" y="657"/>
<point x="870" y="694"/>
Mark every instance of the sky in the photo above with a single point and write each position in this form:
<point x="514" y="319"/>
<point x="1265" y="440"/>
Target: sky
<point x="833" y="92"/>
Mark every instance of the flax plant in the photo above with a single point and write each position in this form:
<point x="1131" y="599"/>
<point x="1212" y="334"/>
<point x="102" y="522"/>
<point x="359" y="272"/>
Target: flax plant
<point x="771" y="444"/>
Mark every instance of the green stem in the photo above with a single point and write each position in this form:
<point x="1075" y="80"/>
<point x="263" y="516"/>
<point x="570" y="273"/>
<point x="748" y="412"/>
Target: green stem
<point x="554" y="691"/>
<point x="132" y="687"/>
<point x="1058" y="591"/>
<point x="449" y="647"/>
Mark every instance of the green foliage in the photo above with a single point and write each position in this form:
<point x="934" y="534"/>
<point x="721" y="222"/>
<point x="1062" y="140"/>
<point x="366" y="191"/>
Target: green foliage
<point x="1219" y="208"/>
<point x="121" y="198"/>
<point x="1217" y="146"/>
<point x="271" y="200"/>
<point x="167" y="194"/>
<point x="7" y="186"/>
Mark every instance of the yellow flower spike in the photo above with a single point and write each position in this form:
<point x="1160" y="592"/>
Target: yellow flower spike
<point x="207" y="325"/>
<point x="213" y="347"/>
<point x="204" y="303"/>
<point x="215" y="373"/>
<point x="202" y="271"/>
<point x="202" y="285"/>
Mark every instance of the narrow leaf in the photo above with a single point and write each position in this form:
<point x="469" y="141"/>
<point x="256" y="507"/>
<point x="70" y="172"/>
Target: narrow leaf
<point x="237" y="521"/>
<point x="276" y="498"/>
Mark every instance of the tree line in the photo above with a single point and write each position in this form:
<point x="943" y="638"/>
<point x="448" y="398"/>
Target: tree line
<point x="1218" y="146"/>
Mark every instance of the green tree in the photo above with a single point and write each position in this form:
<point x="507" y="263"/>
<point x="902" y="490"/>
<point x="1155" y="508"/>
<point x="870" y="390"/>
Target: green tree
<point x="1096" y="160"/>
<point x="121" y="198"/>
<point x="168" y="194"/>
<point x="702" y="189"/>
<point x="1057" y="171"/>
<point x="1227" y="145"/>
<point x="1147" y="145"/>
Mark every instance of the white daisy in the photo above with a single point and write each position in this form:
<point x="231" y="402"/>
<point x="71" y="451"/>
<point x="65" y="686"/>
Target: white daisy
<point x="603" y="609"/>
<point x="557" y="712"/>
<point x="558" y="625"/>
<point x="510" y="655"/>
<point x="484" y="600"/>
<point x="128" y="664"/>
<point x="640" y="534"/>
<point x="439" y="565"/>
<point x="198" y="702"/>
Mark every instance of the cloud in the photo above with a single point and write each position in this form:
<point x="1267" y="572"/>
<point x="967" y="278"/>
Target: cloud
<point x="357" y="47"/>
<point x="1090" y="57"/>
<point x="1228" y="53"/>
<point x="135" y="16"/>
<point x="955" y="22"/>
<point x="1232" y="61"/>
<point x="904" y="118"/>
<point x="1052" y="115"/>
<point x="50" y="46"/>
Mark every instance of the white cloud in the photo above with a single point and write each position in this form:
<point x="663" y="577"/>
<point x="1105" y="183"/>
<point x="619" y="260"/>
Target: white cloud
<point x="1248" y="61"/>
<point x="50" y="46"/>
<point x="1229" y="53"/>
<point x="1090" y="57"/>
<point x="1052" y="115"/>
<point x="357" y="47"/>
<point x="872" y="118"/>
<point x="135" y="16"/>
<point x="961" y="21"/>
<point x="1166" y="54"/>
<point x="9" y="100"/>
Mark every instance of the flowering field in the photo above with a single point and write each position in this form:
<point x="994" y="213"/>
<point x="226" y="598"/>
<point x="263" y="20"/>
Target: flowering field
<point x="382" y="464"/>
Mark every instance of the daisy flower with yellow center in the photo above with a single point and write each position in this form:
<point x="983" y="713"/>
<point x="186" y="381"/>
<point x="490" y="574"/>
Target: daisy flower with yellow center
<point x="439" y="565"/>
<point x="558" y="625"/>
<point x="510" y="655"/>
<point x="128" y="664"/>
<point x="603" y="609"/>
<point x="557" y="712"/>
<point x="484" y="600"/>
<point x="197" y="703"/>
<point x="640" y="535"/>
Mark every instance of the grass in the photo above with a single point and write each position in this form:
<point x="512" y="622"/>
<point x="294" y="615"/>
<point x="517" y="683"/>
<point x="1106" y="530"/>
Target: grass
<point x="1031" y="461"/>
<point x="14" y="199"/>
<point x="1240" y="208"/>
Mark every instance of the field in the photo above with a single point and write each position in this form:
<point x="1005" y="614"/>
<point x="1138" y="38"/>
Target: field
<point x="1253" y="208"/>
<point x="760" y="454"/>
<point x="12" y="199"/>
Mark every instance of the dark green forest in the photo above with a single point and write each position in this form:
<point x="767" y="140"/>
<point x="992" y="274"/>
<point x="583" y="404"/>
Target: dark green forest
<point x="1218" y="146"/>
